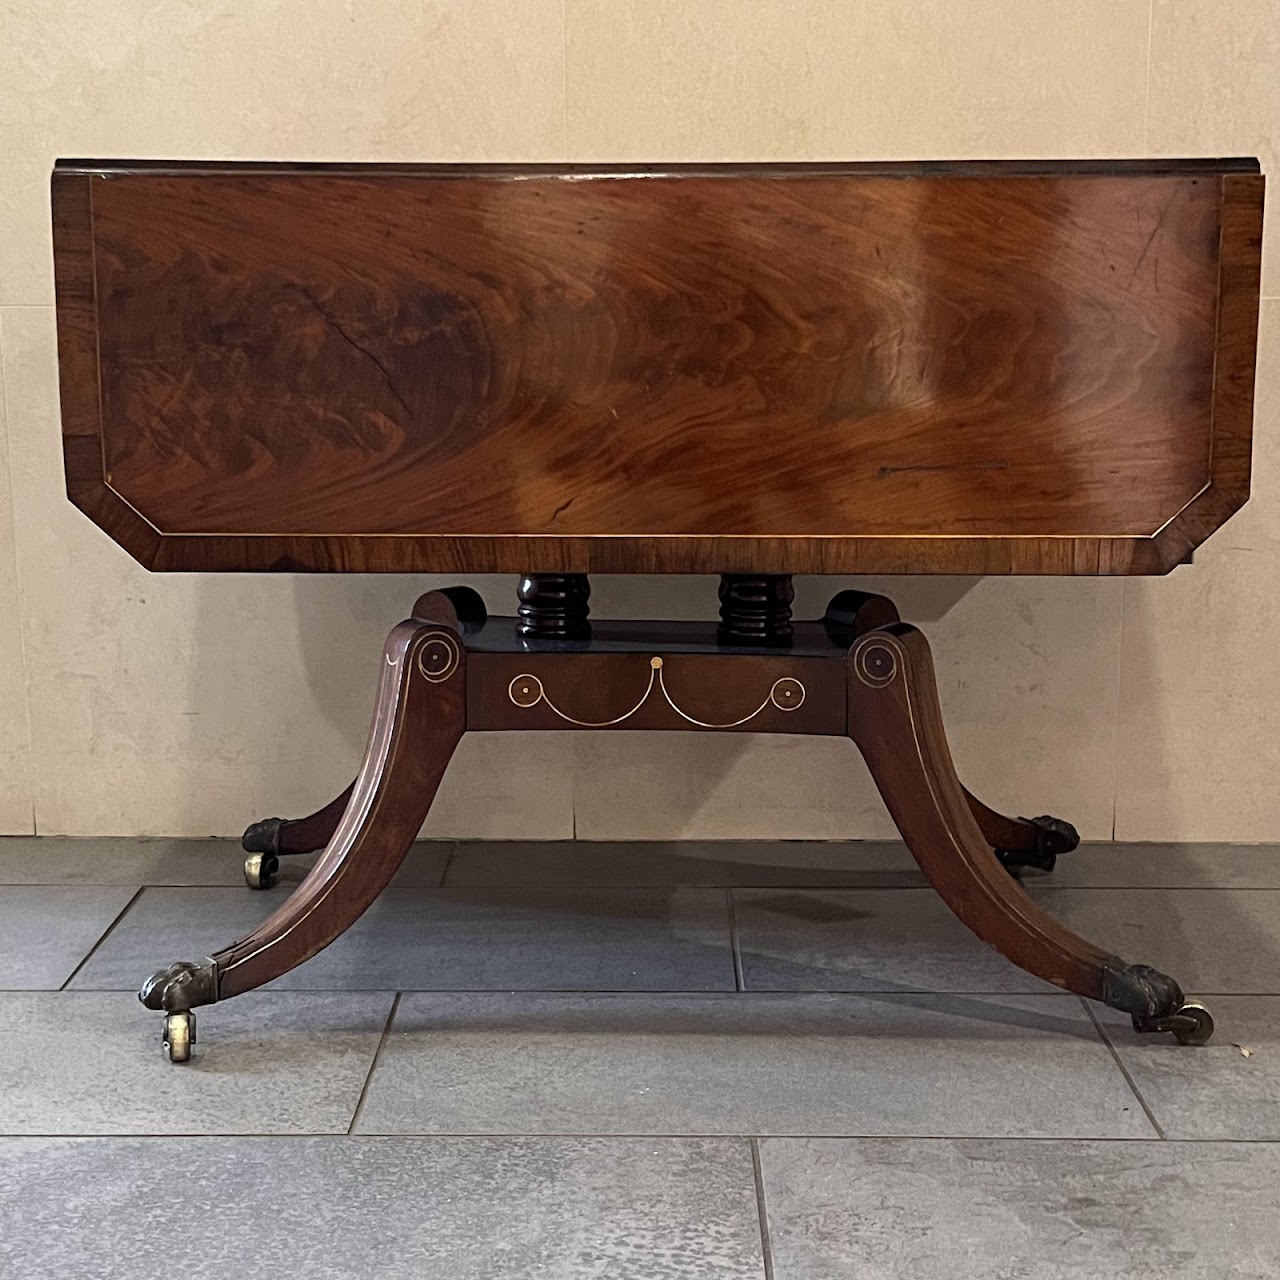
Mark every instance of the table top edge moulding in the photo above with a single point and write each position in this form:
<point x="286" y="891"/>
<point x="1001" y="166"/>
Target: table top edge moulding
<point x="1148" y="166"/>
<point x="972" y="367"/>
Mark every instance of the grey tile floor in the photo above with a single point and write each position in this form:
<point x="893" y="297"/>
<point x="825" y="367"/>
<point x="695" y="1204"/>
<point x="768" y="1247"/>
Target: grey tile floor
<point x="777" y="1061"/>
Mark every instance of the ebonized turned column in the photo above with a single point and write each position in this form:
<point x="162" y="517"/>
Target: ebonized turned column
<point x="554" y="605"/>
<point x="755" y="608"/>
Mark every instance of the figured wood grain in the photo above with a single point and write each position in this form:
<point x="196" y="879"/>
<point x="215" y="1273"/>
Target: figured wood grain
<point x="656" y="357"/>
<point x="824" y="369"/>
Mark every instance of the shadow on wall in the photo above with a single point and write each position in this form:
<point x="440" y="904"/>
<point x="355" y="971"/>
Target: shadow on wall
<point x="1148" y="748"/>
<point x="922" y="599"/>
<point x="726" y="785"/>
<point x="283" y="679"/>
<point x="338" y="625"/>
<point x="289" y="734"/>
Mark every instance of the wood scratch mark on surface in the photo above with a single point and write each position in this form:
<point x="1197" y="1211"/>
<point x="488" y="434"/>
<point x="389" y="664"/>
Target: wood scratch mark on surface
<point x="564" y="506"/>
<point x="1146" y="248"/>
<point x="338" y="328"/>
<point x="883" y="473"/>
<point x="1142" y="257"/>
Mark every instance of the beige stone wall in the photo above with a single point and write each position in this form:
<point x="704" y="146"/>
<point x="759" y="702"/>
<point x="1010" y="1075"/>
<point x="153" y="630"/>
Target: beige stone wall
<point x="132" y="703"/>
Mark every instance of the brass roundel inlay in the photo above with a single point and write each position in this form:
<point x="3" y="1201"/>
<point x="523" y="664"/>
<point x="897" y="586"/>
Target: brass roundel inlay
<point x="876" y="664"/>
<point x="525" y="691"/>
<point x="787" y="694"/>
<point x="438" y="657"/>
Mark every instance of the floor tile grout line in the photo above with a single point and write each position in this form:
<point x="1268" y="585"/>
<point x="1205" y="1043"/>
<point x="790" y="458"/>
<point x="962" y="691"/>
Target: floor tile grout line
<point x="449" y="860"/>
<point x="762" y="1210"/>
<point x="735" y="949"/>
<point x="721" y="992"/>
<point x="1124" y="1071"/>
<point x="128" y="906"/>
<point x="373" y="1065"/>
<point x="787" y="886"/>
<point x="778" y="887"/>
<point x="1158" y="888"/>
<point x="458" y="1136"/>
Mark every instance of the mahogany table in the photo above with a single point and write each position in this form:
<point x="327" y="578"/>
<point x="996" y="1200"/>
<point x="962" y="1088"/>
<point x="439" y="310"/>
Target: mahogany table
<point x="751" y="370"/>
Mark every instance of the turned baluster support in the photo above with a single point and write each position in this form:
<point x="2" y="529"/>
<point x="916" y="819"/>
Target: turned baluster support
<point x="756" y="608"/>
<point x="554" y="606"/>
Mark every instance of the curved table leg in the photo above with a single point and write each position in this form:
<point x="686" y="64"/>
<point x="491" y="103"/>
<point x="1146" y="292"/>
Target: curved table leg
<point x="273" y="838"/>
<point x="1018" y="842"/>
<point x="1023" y="842"/>
<point x="270" y="839"/>
<point x="895" y="720"/>
<point x="420" y="717"/>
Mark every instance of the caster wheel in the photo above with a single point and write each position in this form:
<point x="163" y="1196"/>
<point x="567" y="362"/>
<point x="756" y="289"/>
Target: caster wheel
<point x="179" y="1036"/>
<point x="260" y="870"/>
<point x="1053" y="836"/>
<point x="1191" y="1023"/>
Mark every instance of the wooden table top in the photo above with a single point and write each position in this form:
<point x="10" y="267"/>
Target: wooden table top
<point x="1020" y="367"/>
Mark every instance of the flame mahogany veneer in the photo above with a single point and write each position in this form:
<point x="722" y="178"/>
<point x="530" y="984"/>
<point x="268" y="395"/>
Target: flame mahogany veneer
<point x="928" y="368"/>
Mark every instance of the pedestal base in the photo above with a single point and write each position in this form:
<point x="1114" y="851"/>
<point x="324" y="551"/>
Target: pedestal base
<point x="859" y="671"/>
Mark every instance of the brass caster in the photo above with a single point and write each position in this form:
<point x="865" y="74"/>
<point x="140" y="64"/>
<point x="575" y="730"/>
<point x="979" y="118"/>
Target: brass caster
<point x="260" y="870"/>
<point x="181" y="986"/>
<point x="179" y="1035"/>
<point x="1190" y="1023"/>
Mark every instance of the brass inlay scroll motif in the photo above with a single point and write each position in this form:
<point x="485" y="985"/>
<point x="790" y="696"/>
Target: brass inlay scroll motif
<point x="527" y="690"/>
